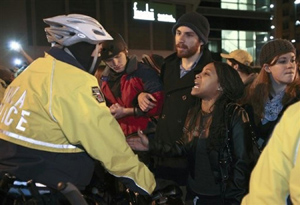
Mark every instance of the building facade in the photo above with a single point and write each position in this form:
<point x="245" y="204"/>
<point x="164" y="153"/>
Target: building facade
<point x="146" y="24"/>
<point x="286" y="21"/>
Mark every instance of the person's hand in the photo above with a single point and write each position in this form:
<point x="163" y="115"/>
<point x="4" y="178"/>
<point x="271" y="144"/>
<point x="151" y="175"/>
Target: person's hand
<point x="146" y="101"/>
<point x="117" y="111"/>
<point x="140" y="143"/>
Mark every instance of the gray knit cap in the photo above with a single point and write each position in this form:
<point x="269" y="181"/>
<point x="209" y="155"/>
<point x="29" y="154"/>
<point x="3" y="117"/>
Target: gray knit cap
<point x="275" y="48"/>
<point x="198" y="23"/>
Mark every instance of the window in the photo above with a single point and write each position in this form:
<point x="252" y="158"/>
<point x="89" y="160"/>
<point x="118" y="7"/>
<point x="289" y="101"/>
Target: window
<point x="250" y="5"/>
<point x="246" y="40"/>
<point x="285" y="12"/>
<point x="285" y="25"/>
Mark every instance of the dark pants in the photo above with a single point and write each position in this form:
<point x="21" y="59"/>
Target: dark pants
<point x="198" y="199"/>
<point x="44" y="167"/>
<point x="171" y="168"/>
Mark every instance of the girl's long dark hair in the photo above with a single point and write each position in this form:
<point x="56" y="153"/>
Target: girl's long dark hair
<point x="233" y="89"/>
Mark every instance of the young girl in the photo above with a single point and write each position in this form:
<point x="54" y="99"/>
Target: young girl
<point x="274" y="89"/>
<point x="216" y="139"/>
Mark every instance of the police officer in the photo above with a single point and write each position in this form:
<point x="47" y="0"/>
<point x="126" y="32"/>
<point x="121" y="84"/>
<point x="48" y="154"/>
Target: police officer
<point x="54" y="121"/>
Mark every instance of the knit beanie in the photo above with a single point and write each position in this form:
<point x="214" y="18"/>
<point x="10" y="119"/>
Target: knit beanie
<point x="195" y="21"/>
<point x="275" y="48"/>
<point x="113" y="47"/>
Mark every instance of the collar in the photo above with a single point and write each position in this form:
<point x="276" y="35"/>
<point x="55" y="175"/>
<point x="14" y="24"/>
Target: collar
<point x="61" y="55"/>
<point x="183" y="71"/>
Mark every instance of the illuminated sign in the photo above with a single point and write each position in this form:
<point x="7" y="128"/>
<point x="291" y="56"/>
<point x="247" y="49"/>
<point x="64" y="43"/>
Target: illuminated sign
<point x="153" y="12"/>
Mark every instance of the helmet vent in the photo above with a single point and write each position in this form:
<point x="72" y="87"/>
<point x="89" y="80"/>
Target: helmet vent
<point x="72" y="33"/>
<point x="75" y="21"/>
<point x="99" y="32"/>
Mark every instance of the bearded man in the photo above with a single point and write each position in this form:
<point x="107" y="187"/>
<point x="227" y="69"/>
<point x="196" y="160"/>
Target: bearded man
<point x="178" y="73"/>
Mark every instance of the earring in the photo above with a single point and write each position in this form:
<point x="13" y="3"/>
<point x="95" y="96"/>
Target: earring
<point x="220" y="88"/>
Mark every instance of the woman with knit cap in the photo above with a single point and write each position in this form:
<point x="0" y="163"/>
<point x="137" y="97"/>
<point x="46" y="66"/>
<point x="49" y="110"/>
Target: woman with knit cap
<point x="216" y="139"/>
<point x="274" y="89"/>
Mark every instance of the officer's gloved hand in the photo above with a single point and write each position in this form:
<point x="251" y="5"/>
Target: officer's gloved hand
<point x="166" y="189"/>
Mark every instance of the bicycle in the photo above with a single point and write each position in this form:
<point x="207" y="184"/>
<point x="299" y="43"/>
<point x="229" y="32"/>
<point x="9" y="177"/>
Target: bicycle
<point x="17" y="192"/>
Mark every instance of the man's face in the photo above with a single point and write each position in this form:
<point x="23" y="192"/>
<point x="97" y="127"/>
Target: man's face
<point x="118" y="62"/>
<point x="187" y="42"/>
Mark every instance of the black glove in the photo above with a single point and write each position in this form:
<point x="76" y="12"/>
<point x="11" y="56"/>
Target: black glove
<point x="166" y="188"/>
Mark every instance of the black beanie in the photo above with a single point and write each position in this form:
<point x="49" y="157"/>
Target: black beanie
<point x="275" y="48"/>
<point x="111" y="48"/>
<point x="198" y="23"/>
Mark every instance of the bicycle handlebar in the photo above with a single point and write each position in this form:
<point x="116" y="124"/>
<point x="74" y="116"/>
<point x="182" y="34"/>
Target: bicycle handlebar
<point x="71" y="193"/>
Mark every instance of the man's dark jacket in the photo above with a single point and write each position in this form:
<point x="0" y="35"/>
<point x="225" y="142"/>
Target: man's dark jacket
<point x="178" y="100"/>
<point x="178" y="97"/>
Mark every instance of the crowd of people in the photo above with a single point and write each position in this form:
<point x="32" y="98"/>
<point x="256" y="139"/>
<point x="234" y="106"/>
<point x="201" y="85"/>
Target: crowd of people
<point x="209" y="127"/>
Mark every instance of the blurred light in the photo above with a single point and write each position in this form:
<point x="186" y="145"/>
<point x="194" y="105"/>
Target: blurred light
<point x="293" y="41"/>
<point x="17" y="61"/>
<point x="297" y="2"/>
<point x="14" y="45"/>
<point x="265" y="38"/>
<point x="297" y="23"/>
<point x="272" y="27"/>
<point x="271" y="6"/>
<point x="271" y="17"/>
<point x="271" y="37"/>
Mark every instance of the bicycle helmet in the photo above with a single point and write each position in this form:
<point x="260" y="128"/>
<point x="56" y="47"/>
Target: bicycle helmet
<point x="69" y="29"/>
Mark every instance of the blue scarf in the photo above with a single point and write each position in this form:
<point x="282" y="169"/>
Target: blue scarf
<point x="272" y="108"/>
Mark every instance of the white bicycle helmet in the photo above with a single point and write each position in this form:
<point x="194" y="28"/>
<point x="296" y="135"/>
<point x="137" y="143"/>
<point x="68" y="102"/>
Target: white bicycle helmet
<point x="69" y="29"/>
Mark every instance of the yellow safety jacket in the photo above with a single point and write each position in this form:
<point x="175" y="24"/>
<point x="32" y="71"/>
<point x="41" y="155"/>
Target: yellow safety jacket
<point x="2" y="88"/>
<point x="55" y="107"/>
<point x="277" y="172"/>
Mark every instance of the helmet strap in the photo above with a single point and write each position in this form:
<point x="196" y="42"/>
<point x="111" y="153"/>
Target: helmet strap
<point x="95" y="60"/>
<point x="69" y="52"/>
